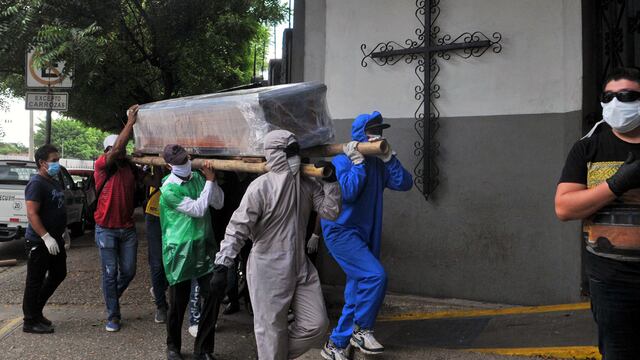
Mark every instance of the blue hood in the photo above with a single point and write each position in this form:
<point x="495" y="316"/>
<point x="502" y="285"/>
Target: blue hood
<point x="357" y="128"/>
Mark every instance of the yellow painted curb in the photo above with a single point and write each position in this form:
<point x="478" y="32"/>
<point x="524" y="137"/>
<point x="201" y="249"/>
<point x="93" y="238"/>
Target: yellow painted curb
<point x="12" y="324"/>
<point x="490" y="312"/>
<point x="567" y="352"/>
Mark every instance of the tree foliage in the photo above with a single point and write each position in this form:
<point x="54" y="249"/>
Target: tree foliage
<point x="134" y="51"/>
<point x="12" y="148"/>
<point x="74" y="139"/>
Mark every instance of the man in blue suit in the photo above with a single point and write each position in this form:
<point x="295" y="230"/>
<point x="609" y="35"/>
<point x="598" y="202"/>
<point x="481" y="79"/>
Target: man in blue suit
<point x="354" y="238"/>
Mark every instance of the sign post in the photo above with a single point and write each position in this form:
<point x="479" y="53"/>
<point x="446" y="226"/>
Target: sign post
<point x="49" y="77"/>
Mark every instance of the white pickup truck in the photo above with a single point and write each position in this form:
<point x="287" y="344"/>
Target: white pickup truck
<point x="14" y="175"/>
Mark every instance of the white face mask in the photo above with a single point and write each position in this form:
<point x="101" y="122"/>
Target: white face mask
<point x="294" y="164"/>
<point x="183" y="170"/>
<point x="621" y="116"/>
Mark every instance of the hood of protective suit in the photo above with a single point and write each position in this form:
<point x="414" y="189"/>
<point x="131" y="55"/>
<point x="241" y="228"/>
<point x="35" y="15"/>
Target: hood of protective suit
<point x="274" y="144"/>
<point x="357" y="128"/>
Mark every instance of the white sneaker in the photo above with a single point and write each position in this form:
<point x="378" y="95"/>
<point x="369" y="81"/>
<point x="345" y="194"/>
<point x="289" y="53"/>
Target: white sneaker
<point x="363" y="340"/>
<point x="331" y="352"/>
<point x="153" y="296"/>
<point x="193" y="330"/>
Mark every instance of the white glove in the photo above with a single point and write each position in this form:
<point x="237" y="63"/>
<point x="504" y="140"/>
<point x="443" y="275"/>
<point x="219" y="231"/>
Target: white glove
<point x="66" y="236"/>
<point x="386" y="157"/>
<point x="51" y="244"/>
<point x="350" y="149"/>
<point x="312" y="244"/>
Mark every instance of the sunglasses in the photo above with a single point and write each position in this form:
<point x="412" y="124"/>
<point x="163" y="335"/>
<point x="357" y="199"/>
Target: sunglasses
<point x="622" y="96"/>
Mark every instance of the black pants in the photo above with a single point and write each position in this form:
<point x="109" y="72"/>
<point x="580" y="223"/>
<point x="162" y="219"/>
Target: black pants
<point x="178" y="302"/>
<point x="616" y="310"/>
<point x="45" y="272"/>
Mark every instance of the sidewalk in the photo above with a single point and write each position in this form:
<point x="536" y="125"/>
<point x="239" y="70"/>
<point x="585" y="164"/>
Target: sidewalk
<point x="410" y="327"/>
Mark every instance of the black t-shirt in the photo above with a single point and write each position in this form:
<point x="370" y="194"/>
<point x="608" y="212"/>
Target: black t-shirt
<point x="592" y="161"/>
<point x="50" y="194"/>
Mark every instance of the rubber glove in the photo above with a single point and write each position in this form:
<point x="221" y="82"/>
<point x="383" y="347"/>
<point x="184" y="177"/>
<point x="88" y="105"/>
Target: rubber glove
<point x="312" y="244"/>
<point x="66" y="236"/>
<point x="327" y="164"/>
<point x="627" y="177"/>
<point x="219" y="281"/>
<point x="350" y="149"/>
<point x="51" y="244"/>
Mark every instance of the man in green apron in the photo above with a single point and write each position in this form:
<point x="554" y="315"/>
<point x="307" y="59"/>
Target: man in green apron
<point x="188" y="247"/>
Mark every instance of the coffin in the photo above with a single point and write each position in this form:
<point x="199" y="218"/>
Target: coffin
<point x="235" y="123"/>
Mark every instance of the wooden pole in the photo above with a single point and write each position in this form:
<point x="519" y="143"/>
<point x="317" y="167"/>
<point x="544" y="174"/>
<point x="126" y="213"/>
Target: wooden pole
<point x="9" y="262"/>
<point x="366" y="148"/>
<point x="232" y="165"/>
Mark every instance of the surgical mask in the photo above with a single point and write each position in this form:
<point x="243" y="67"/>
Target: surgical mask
<point x="183" y="170"/>
<point x="53" y="168"/>
<point x="294" y="164"/>
<point x="621" y="116"/>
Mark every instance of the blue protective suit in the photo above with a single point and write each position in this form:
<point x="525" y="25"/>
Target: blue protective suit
<point x="354" y="238"/>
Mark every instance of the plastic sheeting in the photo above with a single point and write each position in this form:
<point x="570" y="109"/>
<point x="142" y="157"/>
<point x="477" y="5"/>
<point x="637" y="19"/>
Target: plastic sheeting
<point x="235" y="123"/>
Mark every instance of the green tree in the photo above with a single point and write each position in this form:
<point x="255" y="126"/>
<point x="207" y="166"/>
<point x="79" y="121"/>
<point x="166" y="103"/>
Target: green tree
<point x="134" y="51"/>
<point x="73" y="138"/>
<point x="12" y="148"/>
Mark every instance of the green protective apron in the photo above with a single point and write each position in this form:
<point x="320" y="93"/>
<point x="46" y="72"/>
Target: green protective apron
<point x="188" y="245"/>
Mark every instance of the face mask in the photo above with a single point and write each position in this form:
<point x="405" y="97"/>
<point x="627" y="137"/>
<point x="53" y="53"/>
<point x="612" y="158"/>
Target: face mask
<point x="53" y="168"/>
<point x="373" y="138"/>
<point x="621" y="116"/>
<point x="183" y="170"/>
<point x="294" y="164"/>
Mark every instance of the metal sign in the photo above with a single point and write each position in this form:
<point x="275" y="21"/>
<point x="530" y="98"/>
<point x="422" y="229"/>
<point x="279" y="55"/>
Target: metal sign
<point x="50" y="77"/>
<point x="58" y="101"/>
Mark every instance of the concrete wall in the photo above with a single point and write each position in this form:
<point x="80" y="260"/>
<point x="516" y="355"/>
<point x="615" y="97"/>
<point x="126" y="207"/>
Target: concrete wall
<point x="508" y="120"/>
<point x="538" y="71"/>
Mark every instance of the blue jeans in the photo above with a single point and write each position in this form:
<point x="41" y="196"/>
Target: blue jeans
<point x="118" y="251"/>
<point x="158" y="278"/>
<point x="195" y="303"/>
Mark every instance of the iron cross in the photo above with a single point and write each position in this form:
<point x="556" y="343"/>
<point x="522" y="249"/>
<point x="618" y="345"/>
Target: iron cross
<point x="428" y="46"/>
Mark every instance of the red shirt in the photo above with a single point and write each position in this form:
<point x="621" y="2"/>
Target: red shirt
<point x="115" y="205"/>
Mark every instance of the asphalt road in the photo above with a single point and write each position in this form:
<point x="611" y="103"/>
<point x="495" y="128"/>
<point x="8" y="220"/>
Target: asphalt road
<point x="77" y="310"/>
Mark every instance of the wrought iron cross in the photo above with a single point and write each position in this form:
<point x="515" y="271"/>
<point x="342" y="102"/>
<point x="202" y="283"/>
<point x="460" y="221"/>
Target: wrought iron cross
<point x="429" y="46"/>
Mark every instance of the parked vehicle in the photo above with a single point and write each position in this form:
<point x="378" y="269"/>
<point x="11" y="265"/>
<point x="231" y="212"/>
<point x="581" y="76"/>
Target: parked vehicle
<point x="84" y="180"/>
<point x="14" y="175"/>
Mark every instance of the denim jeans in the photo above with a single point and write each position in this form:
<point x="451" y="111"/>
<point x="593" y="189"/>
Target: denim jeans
<point x="158" y="278"/>
<point x="616" y="310"/>
<point x="118" y="251"/>
<point x="195" y="303"/>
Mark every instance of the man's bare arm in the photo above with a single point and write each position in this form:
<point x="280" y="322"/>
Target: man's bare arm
<point x="575" y="201"/>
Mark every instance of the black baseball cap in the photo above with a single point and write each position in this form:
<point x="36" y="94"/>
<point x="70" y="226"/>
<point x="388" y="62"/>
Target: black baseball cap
<point x="375" y="124"/>
<point x="175" y="154"/>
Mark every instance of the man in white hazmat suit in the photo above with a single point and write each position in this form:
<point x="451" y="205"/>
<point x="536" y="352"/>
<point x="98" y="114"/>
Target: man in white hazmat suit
<point x="274" y="213"/>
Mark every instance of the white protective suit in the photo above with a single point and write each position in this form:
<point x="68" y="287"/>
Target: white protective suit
<point x="274" y="213"/>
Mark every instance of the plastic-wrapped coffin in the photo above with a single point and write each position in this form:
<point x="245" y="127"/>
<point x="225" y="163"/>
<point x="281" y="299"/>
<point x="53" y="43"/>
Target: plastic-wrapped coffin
<point x="235" y="123"/>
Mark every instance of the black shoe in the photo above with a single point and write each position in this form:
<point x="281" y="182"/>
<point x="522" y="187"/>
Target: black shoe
<point x="173" y="355"/>
<point x="161" y="316"/>
<point x="37" y="328"/>
<point x="44" y="320"/>
<point x="204" y="356"/>
<point x="231" y="308"/>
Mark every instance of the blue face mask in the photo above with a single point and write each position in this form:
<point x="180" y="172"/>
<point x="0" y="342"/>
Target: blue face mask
<point x="53" y="169"/>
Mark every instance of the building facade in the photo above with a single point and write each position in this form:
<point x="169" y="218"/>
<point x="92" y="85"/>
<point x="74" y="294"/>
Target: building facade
<point x="507" y="120"/>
